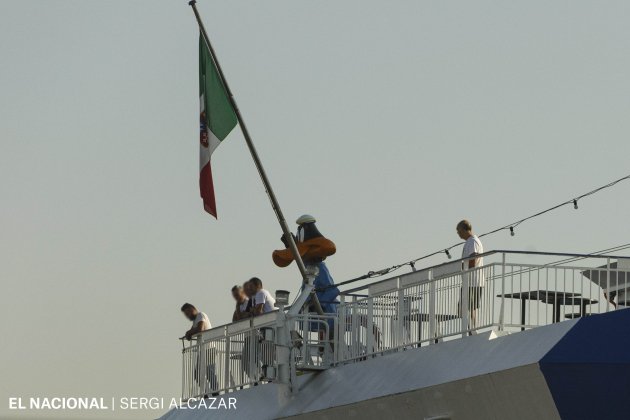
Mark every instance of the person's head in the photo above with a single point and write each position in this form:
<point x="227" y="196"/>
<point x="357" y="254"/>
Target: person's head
<point x="238" y="293"/>
<point x="256" y="283"/>
<point x="464" y="229"/>
<point x="189" y="311"/>
<point x="248" y="288"/>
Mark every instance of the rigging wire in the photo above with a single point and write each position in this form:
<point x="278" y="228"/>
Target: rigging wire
<point x="573" y="201"/>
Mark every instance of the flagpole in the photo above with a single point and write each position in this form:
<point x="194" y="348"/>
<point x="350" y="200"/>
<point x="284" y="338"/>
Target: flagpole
<point x="254" y="153"/>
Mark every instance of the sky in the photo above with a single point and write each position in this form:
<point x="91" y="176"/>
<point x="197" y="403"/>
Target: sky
<point x="388" y="121"/>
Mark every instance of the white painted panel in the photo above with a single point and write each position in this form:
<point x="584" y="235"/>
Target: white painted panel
<point x="414" y="278"/>
<point x="239" y="326"/>
<point x="383" y="287"/>
<point x="623" y="264"/>
<point x="446" y="269"/>
<point x="214" y="333"/>
<point x="264" y="319"/>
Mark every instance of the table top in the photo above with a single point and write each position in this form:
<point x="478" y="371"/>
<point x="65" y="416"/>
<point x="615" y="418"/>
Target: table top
<point x="570" y="300"/>
<point x="553" y="295"/>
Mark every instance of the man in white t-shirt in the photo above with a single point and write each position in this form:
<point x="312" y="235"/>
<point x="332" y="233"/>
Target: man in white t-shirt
<point x="476" y="279"/>
<point x="200" y="321"/>
<point x="263" y="301"/>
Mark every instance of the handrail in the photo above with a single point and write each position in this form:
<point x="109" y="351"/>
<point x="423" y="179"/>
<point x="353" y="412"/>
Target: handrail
<point x="556" y="254"/>
<point x="485" y="254"/>
<point x="224" y="326"/>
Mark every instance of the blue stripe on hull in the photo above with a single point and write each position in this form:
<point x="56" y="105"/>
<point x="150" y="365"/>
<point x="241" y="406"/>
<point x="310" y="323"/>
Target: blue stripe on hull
<point x="588" y="371"/>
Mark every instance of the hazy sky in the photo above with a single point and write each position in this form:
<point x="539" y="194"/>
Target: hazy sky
<point x="387" y="120"/>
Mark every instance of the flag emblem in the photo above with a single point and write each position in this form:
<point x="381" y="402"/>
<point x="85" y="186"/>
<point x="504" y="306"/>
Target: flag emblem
<point x="203" y="130"/>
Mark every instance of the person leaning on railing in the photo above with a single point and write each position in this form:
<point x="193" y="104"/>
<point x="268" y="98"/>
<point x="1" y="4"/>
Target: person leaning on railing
<point x="200" y="323"/>
<point x="263" y="301"/>
<point x="250" y="292"/>
<point x="242" y="303"/>
<point x="260" y="300"/>
<point x="199" y="319"/>
<point x="248" y="353"/>
<point x="472" y="248"/>
<point x="254" y="352"/>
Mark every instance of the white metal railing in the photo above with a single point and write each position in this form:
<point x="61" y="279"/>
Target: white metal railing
<point x="415" y="309"/>
<point x="243" y="354"/>
<point x="229" y="357"/>
<point x="313" y="341"/>
<point x="424" y="307"/>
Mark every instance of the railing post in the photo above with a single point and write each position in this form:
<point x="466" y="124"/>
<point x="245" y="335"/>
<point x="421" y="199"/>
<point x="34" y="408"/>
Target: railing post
<point x="336" y="341"/>
<point x="502" y="307"/>
<point x="327" y="356"/>
<point x="304" y="350"/>
<point x="201" y="367"/>
<point x="183" y="372"/>
<point x="400" y="316"/>
<point x="465" y="296"/>
<point x="227" y="378"/>
<point x="356" y="324"/>
<point x="252" y="348"/>
<point x="432" y="302"/>
<point x="282" y="347"/>
<point x="369" y="339"/>
<point x="340" y="337"/>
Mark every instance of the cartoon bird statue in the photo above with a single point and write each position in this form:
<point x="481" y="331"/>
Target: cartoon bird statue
<point x="313" y="248"/>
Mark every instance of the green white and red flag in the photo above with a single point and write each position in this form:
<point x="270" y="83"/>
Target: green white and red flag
<point x="217" y="119"/>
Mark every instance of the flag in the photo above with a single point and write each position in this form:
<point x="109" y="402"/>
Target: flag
<point x="217" y="118"/>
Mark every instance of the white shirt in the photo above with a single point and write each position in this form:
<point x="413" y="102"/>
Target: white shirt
<point x="242" y="306"/>
<point x="264" y="297"/>
<point x="202" y="317"/>
<point x="473" y="246"/>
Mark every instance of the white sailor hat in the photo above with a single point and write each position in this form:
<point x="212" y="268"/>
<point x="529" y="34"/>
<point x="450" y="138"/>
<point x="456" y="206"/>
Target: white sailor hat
<point x="305" y="218"/>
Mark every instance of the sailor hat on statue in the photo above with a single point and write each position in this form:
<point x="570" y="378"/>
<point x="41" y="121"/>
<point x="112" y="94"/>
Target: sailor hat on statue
<point x="305" y="218"/>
